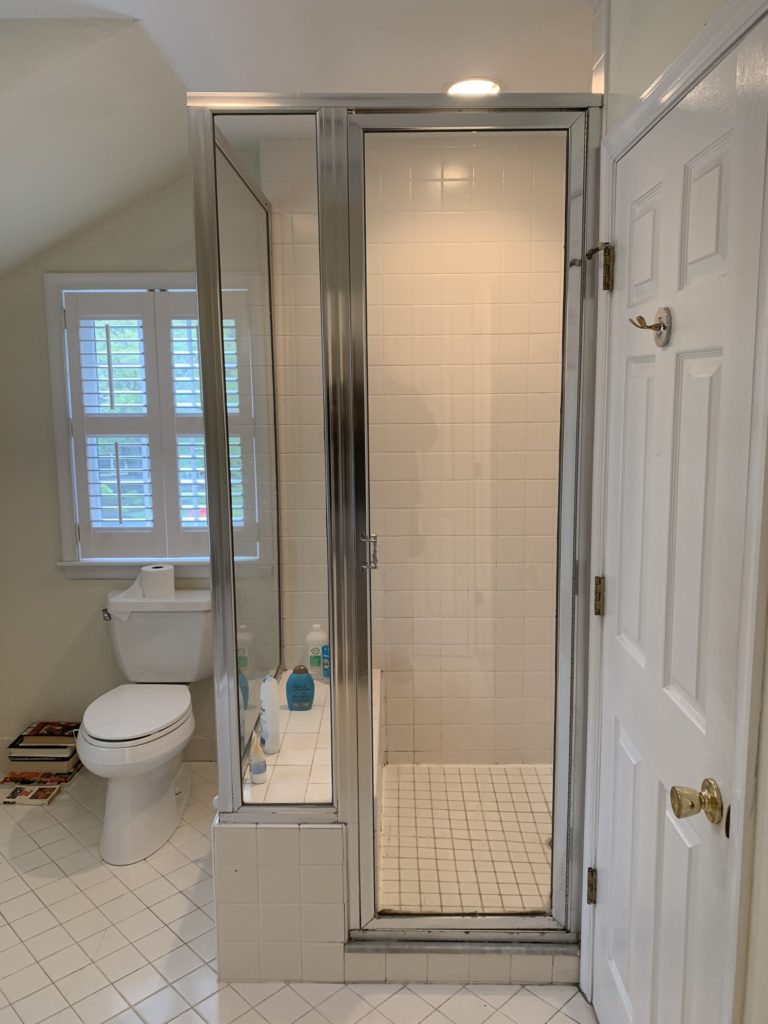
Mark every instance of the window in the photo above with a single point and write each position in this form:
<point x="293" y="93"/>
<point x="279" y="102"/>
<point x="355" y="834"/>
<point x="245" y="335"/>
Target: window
<point x="129" y="418"/>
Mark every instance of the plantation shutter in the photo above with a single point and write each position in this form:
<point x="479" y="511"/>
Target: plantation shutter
<point x="183" y="438"/>
<point x="115" y="424"/>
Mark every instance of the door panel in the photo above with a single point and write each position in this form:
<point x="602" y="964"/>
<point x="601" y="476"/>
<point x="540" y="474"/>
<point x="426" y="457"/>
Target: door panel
<point x="688" y="201"/>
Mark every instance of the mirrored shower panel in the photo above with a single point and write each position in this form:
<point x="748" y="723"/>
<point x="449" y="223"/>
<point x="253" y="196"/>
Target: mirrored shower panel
<point x="266" y="174"/>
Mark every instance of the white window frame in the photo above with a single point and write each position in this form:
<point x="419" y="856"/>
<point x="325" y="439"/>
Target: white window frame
<point x="194" y="565"/>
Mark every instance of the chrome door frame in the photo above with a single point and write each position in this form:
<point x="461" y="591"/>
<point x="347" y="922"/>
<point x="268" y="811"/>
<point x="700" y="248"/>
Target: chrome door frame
<point x="341" y="121"/>
<point x="573" y="556"/>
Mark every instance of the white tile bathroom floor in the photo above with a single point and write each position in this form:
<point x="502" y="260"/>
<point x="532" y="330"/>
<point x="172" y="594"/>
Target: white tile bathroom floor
<point x="300" y="772"/>
<point x="82" y="942"/>
<point x="465" y="838"/>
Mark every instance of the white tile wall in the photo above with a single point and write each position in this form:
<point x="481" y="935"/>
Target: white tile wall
<point x="465" y="254"/>
<point x="280" y="902"/>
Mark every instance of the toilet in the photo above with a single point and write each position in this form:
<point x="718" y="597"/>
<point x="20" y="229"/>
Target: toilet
<point x="134" y="735"/>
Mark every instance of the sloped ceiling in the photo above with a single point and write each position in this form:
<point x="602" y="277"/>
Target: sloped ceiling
<point x="92" y="92"/>
<point x="91" y="116"/>
<point x="365" y="45"/>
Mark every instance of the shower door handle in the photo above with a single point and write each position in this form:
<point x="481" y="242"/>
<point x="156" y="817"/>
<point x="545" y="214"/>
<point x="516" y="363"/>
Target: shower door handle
<point x="371" y="540"/>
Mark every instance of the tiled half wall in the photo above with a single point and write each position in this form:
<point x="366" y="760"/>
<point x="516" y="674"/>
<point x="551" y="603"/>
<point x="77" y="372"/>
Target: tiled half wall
<point x="281" y="912"/>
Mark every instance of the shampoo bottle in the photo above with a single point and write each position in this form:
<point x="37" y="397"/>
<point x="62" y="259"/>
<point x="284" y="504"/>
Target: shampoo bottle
<point x="258" y="761"/>
<point x="300" y="689"/>
<point x="270" y="715"/>
<point x="315" y="641"/>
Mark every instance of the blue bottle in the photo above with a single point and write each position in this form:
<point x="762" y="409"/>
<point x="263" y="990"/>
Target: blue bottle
<point x="300" y="689"/>
<point x="326" y="656"/>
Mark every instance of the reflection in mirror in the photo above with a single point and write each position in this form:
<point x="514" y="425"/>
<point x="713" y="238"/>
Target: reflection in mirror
<point x="268" y="236"/>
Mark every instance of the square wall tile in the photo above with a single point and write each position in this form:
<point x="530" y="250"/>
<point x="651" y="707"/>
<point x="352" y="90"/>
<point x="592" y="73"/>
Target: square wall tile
<point x="239" y="961"/>
<point x="362" y="967"/>
<point x="323" y="961"/>
<point x="322" y="844"/>
<point x="448" y="967"/>
<point x="406" y="967"/>
<point x="281" y="961"/>
<point x="234" y="845"/>
<point x="531" y="968"/>
<point x="277" y="845"/>
<point x="279" y="884"/>
<point x="323" y="922"/>
<point x="322" y="883"/>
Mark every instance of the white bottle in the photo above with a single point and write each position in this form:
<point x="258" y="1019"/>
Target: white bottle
<point x="270" y="715"/>
<point x="258" y="761"/>
<point x="316" y="639"/>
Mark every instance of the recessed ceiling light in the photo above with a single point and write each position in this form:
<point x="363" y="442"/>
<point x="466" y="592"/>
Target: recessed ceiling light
<point x="474" y="87"/>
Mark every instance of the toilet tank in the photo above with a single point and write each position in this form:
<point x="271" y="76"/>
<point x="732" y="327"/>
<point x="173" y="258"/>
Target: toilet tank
<point x="162" y="640"/>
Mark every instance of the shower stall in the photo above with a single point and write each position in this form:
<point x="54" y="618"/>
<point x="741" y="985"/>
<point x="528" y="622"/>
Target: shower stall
<point x="414" y="277"/>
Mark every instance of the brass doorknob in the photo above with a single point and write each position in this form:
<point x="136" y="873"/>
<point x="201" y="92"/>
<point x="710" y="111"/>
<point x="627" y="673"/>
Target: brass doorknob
<point x="687" y="802"/>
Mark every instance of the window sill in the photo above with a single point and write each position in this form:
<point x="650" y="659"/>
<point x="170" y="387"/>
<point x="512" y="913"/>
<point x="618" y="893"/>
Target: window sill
<point x="127" y="569"/>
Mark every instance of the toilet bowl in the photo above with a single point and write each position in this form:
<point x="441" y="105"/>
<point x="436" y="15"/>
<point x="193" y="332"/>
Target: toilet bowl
<point x="134" y="736"/>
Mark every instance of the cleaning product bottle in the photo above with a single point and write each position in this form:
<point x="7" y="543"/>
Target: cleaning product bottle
<point x="315" y="640"/>
<point x="326" y="663"/>
<point x="300" y="689"/>
<point x="270" y="715"/>
<point x="258" y="761"/>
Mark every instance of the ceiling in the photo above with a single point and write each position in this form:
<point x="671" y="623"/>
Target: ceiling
<point x="92" y="92"/>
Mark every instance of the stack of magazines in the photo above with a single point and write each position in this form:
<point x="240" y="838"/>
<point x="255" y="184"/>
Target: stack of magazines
<point x="44" y="755"/>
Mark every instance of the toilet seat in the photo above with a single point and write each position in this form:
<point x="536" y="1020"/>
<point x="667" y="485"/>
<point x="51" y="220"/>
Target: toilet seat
<point x="133" y="714"/>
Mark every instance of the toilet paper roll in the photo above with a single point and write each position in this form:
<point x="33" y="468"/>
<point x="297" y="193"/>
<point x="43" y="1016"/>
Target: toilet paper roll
<point x="157" y="580"/>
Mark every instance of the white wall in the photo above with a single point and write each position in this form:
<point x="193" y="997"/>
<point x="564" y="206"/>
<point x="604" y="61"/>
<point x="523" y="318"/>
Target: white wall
<point x="56" y="651"/>
<point x="642" y="38"/>
<point x="465" y="254"/>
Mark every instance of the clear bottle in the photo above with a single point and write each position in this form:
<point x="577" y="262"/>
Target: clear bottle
<point x="258" y="770"/>
<point x="316" y="639"/>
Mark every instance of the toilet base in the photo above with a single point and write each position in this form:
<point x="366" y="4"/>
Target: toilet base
<point x="143" y="811"/>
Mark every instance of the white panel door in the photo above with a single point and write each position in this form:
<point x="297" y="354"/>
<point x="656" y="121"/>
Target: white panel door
<point x="688" y="229"/>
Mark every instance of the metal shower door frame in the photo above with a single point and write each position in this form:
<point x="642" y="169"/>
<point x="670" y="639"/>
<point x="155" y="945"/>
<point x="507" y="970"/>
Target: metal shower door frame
<point x="572" y="598"/>
<point x="341" y="123"/>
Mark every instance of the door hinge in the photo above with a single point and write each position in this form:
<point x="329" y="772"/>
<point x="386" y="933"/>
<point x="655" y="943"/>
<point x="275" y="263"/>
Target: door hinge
<point x="591" y="886"/>
<point x="599" y="603"/>
<point x="606" y="248"/>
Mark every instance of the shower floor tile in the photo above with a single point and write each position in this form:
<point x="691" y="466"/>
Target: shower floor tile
<point x="469" y="839"/>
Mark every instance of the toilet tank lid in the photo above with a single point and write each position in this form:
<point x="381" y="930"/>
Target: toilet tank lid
<point x="120" y="603"/>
